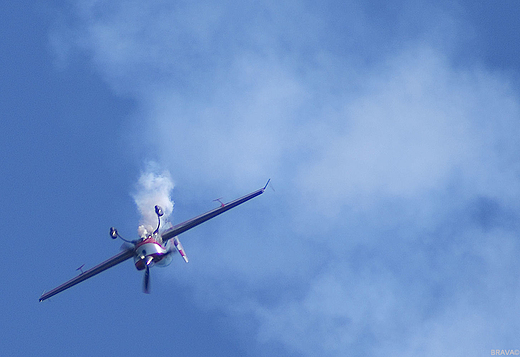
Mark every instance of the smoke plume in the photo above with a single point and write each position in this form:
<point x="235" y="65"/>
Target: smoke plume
<point x="153" y="188"/>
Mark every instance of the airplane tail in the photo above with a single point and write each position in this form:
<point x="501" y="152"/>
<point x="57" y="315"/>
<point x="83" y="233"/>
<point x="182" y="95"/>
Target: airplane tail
<point x="179" y="247"/>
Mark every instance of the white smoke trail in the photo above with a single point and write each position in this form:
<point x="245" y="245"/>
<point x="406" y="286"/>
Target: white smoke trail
<point x="153" y="188"/>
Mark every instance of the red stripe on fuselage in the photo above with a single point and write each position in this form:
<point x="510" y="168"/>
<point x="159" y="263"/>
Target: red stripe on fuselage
<point x="146" y="241"/>
<point x="157" y="251"/>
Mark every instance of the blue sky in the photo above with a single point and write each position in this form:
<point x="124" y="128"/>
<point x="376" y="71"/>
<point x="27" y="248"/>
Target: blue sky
<point x="389" y="130"/>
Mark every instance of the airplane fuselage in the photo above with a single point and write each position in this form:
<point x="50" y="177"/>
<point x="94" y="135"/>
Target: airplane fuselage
<point x="150" y="252"/>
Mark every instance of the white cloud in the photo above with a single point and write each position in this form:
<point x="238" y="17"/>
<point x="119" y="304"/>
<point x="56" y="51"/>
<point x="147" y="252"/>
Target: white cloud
<point x="414" y="128"/>
<point x="388" y="175"/>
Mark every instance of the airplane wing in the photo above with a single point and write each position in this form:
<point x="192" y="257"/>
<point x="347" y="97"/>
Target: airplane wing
<point x="119" y="258"/>
<point x="169" y="234"/>
<point x="189" y="224"/>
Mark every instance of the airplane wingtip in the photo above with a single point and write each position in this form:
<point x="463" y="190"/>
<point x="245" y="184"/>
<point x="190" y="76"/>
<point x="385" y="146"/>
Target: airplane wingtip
<point x="266" y="184"/>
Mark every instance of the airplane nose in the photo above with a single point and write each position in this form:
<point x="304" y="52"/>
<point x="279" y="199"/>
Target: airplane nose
<point x="144" y="262"/>
<point x="140" y="264"/>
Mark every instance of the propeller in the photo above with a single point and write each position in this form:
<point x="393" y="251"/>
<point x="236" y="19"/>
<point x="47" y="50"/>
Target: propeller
<point x="127" y="246"/>
<point x="146" y="282"/>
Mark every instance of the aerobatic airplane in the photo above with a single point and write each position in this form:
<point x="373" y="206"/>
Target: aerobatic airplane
<point x="152" y="248"/>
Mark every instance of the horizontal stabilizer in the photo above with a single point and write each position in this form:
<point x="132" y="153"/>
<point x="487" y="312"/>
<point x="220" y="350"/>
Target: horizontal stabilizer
<point x="179" y="247"/>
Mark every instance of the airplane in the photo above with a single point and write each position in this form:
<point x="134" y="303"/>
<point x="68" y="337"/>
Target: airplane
<point x="152" y="248"/>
